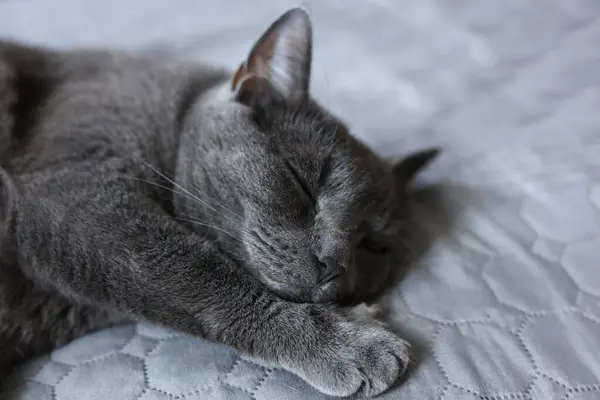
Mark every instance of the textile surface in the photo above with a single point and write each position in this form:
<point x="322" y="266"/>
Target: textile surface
<point x="505" y="302"/>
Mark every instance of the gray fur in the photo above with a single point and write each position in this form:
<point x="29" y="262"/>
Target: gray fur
<point x="136" y="187"/>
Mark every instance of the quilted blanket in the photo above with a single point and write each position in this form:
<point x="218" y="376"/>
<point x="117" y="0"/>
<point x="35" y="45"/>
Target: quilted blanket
<point x="504" y="301"/>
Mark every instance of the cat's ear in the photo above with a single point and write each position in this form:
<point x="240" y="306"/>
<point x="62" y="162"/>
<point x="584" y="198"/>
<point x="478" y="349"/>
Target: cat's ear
<point x="278" y="66"/>
<point x="406" y="168"/>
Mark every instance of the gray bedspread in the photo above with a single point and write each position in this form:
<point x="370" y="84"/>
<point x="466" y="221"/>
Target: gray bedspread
<point x="505" y="301"/>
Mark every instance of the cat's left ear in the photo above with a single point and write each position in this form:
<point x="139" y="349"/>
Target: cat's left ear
<point x="408" y="167"/>
<point x="278" y="66"/>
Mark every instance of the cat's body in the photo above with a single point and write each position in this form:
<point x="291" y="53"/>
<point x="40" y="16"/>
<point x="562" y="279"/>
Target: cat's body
<point x="42" y="86"/>
<point x="228" y="208"/>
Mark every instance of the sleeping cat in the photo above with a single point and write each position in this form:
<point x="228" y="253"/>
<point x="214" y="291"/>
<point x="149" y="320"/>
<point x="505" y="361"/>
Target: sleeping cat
<point x="231" y="207"/>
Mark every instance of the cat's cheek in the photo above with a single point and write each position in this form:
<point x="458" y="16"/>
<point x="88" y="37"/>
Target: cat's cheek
<point x="281" y="290"/>
<point x="330" y="292"/>
<point x="371" y="276"/>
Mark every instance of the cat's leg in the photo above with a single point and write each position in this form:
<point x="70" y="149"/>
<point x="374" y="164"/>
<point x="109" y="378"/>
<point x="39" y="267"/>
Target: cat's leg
<point x="34" y="321"/>
<point x="102" y="241"/>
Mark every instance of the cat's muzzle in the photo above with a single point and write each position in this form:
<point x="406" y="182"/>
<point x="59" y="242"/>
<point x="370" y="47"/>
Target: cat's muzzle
<point x="329" y="291"/>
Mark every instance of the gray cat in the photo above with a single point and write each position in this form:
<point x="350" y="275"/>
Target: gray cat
<point x="231" y="207"/>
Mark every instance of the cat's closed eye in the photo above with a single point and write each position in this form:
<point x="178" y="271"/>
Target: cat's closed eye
<point x="302" y="183"/>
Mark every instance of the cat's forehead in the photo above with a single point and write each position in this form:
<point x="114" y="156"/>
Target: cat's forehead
<point x="359" y="186"/>
<point x="346" y="166"/>
<point x="308" y="119"/>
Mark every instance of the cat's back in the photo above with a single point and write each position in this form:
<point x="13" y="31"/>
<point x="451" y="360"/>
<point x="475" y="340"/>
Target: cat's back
<point x="54" y="101"/>
<point x="29" y="77"/>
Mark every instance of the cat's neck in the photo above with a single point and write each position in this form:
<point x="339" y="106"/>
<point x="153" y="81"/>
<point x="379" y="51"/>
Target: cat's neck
<point x="210" y="119"/>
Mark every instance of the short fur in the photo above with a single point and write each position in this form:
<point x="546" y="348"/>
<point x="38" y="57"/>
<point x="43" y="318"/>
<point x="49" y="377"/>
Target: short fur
<point x="234" y="208"/>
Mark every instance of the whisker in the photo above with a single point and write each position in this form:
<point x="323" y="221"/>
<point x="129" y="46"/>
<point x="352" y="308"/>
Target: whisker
<point x="188" y="193"/>
<point x="171" y="190"/>
<point x="153" y="184"/>
<point x="220" y="205"/>
<point x="239" y="224"/>
<point x="195" y="222"/>
<point x="192" y="196"/>
<point x="188" y="207"/>
<point x="184" y="192"/>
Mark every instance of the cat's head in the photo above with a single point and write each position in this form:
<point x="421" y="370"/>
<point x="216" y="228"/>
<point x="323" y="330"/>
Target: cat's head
<point x="311" y="211"/>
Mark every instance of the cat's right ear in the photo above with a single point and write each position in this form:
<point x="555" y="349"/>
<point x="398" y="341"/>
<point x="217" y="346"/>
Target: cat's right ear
<point x="408" y="167"/>
<point x="278" y="66"/>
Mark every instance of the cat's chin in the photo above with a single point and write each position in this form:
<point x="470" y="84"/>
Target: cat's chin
<point x="331" y="292"/>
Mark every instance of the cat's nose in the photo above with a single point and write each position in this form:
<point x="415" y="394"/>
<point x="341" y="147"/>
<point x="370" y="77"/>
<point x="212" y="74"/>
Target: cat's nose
<point x="331" y="269"/>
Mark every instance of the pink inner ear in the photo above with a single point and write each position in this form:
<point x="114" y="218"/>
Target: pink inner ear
<point x="282" y="56"/>
<point x="262" y="54"/>
<point x="259" y="59"/>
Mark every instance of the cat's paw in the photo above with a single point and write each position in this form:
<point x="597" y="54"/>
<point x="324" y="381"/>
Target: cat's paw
<point x="364" y="310"/>
<point x="355" y="354"/>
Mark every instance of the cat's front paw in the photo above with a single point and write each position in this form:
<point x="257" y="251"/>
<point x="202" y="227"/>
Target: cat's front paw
<point x="356" y="353"/>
